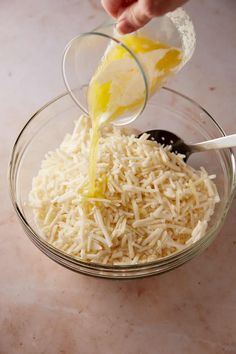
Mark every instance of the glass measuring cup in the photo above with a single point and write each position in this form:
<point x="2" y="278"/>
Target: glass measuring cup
<point x="83" y="56"/>
<point x="84" y="53"/>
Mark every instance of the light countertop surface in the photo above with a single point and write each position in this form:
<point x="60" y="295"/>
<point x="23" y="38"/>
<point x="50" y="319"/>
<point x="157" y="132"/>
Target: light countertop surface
<point x="45" y="308"/>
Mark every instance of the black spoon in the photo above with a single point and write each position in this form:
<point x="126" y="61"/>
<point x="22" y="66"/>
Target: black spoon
<point x="178" y="146"/>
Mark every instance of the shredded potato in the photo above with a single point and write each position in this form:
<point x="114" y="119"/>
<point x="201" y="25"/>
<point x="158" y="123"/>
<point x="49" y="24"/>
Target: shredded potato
<point x="151" y="205"/>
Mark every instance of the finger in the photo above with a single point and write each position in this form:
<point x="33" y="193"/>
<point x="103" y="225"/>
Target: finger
<point x="154" y="8"/>
<point x="140" y="13"/>
<point x="132" y="18"/>
<point x="112" y="7"/>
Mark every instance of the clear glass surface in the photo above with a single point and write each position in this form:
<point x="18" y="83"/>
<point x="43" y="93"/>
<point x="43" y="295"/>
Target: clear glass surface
<point x="83" y="55"/>
<point x="167" y="110"/>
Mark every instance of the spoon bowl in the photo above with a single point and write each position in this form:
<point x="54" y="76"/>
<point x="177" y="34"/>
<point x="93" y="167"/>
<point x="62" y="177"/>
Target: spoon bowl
<point x="166" y="138"/>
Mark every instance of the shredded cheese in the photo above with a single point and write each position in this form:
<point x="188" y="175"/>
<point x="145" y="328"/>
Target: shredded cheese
<point x="152" y="204"/>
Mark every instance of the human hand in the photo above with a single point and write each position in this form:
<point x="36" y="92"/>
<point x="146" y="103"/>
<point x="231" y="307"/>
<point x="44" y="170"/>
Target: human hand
<point x="134" y="14"/>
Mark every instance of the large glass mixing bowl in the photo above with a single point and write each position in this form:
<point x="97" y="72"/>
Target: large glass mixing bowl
<point x="167" y="110"/>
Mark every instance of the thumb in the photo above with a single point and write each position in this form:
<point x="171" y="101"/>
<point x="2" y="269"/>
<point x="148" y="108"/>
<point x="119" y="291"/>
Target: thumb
<point x="132" y="18"/>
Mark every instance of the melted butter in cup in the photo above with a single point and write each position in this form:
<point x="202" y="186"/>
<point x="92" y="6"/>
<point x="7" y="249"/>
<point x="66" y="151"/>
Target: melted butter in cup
<point x="117" y="88"/>
<point x="91" y="55"/>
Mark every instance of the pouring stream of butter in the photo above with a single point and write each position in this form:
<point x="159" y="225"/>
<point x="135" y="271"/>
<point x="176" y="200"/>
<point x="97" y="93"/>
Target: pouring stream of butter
<point x="117" y="87"/>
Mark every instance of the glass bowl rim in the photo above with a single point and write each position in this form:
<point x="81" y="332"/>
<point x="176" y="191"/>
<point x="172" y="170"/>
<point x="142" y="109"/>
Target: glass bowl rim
<point x="126" y="267"/>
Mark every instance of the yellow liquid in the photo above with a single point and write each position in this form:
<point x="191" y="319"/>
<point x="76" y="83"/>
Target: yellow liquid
<point x="117" y="87"/>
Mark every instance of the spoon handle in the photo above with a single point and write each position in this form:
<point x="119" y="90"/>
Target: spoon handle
<point x="219" y="143"/>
